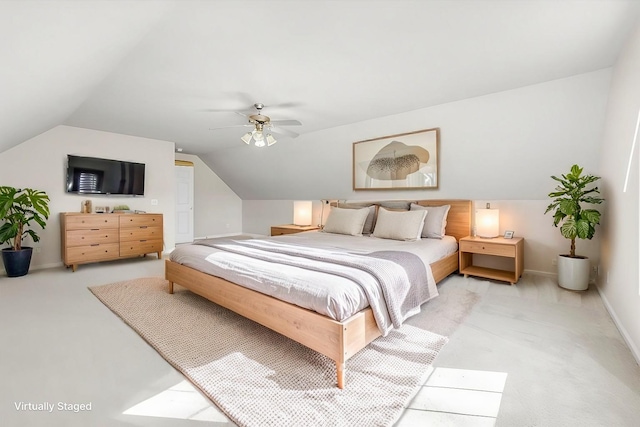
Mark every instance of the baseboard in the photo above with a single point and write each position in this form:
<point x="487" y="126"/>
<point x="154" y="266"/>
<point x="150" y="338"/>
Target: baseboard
<point x="634" y="349"/>
<point x="592" y="280"/>
<point x="627" y="339"/>
<point x="49" y="265"/>
<point x="33" y="267"/>
<point x="540" y="273"/>
<point x="215" y="236"/>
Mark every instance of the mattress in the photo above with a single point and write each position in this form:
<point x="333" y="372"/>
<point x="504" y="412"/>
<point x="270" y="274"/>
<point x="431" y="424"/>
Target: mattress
<point x="328" y="293"/>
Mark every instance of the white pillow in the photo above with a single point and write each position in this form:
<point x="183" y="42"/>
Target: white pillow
<point x="399" y="225"/>
<point x="436" y="220"/>
<point x="346" y="221"/>
<point x="368" y="224"/>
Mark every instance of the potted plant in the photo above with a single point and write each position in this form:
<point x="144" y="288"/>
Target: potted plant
<point x="569" y="198"/>
<point x="19" y="208"/>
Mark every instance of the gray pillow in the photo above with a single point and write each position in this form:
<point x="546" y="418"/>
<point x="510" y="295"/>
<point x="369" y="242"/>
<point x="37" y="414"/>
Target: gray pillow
<point x="346" y="221"/>
<point x="436" y="220"/>
<point x="395" y="205"/>
<point x="399" y="225"/>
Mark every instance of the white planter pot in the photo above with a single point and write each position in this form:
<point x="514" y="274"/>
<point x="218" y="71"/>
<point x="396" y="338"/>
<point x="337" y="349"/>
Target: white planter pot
<point x="573" y="273"/>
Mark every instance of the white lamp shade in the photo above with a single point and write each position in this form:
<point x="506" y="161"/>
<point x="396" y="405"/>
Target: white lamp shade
<point x="246" y="138"/>
<point x="302" y="212"/>
<point x="488" y="222"/>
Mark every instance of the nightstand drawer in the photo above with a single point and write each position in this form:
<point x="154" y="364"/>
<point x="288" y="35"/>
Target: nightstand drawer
<point x="488" y="248"/>
<point x="279" y="230"/>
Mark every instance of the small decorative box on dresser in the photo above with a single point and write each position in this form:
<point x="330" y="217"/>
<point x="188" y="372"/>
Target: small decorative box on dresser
<point x="279" y="230"/>
<point x="509" y="248"/>
<point x="102" y="237"/>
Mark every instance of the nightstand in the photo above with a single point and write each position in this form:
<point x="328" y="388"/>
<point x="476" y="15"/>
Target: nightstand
<point x="498" y="246"/>
<point x="279" y="230"/>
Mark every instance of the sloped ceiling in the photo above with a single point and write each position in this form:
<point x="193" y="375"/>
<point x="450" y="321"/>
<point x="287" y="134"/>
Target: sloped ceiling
<point x="55" y="54"/>
<point x="157" y="69"/>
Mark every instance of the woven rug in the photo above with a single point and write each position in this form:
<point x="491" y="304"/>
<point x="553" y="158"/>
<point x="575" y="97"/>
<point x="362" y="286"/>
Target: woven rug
<point x="261" y="378"/>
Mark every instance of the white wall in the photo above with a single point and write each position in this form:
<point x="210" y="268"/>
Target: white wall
<point x="501" y="148"/>
<point x="217" y="209"/>
<point x="619" y="278"/>
<point x="40" y="163"/>
<point x="542" y="241"/>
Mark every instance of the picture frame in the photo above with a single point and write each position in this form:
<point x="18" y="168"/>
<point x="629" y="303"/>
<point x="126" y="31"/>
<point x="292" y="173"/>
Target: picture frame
<point x="403" y="161"/>
<point x="508" y="234"/>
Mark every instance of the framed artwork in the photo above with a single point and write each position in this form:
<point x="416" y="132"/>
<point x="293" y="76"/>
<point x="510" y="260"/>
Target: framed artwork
<point x="508" y="234"/>
<point x="397" y="162"/>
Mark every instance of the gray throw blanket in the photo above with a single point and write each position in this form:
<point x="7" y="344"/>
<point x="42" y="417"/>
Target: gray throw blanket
<point x="400" y="276"/>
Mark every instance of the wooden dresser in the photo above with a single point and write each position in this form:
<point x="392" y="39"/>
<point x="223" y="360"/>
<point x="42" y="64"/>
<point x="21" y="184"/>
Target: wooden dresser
<point x="103" y="237"/>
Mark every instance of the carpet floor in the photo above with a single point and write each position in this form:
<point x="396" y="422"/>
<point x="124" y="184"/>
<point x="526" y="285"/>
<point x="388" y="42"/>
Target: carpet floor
<point x="261" y="378"/>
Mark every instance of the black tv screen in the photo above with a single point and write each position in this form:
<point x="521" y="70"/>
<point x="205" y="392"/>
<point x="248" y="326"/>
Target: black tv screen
<point x="90" y="175"/>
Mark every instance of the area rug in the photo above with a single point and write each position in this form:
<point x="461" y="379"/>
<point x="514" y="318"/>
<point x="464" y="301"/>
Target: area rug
<point x="261" y="378"/>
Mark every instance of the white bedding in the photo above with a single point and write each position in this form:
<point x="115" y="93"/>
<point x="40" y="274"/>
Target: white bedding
<point x="332" y="295"/>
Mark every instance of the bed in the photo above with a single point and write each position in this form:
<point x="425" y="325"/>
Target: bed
<point x="336" y="339"/>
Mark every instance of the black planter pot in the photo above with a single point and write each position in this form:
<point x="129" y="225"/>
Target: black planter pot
<point x="16" y="263"/>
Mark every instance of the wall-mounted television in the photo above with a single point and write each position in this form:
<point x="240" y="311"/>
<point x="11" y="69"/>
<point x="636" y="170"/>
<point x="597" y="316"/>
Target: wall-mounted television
<point x="91" y="175"/>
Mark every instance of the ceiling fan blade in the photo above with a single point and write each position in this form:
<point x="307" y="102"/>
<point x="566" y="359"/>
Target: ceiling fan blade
<point x="284" y="132"/>
<point x="217" y="110"/>
<point x="286" y="122"/>
<point x="284" y="105"/>
<point x="234" y="126"/>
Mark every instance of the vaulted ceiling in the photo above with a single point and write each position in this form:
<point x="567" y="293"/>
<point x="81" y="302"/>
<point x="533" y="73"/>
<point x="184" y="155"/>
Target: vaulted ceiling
<point x="174" y="70"/>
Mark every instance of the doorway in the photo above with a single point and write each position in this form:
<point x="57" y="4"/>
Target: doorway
<point x="184" y="173"/>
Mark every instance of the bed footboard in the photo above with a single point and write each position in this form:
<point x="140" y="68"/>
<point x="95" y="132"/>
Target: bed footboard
<point x="336" y="340"/>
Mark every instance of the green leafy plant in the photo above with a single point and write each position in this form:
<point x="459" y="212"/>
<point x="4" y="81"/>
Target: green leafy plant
<point x="19" y="208"/>
<point x="121" y="208"/>
<point x="568" y="198"/>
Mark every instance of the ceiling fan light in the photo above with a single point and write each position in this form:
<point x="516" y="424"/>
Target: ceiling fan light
<point x="271" y="140"/>
<point x="260" y="143"/>
<point x="258" y="136"/>
<point x="246" y="138"/>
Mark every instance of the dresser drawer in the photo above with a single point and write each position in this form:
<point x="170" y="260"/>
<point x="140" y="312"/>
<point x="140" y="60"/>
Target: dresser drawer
<point x="488" y="248"/>
<point x="92" y="236"/>
<point x="140" y="247"/>
<point x="140" y="220"/>
<point x="84" y="222"/>
<point x="140" y="233"/>
<point x="83" y="254"/>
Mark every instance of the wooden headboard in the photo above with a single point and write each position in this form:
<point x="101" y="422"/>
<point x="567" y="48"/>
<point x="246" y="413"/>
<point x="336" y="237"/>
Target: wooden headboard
<point x="459" y="218"/>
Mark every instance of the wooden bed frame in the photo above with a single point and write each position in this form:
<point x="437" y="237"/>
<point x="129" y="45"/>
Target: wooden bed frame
<point x="336" y="340"/>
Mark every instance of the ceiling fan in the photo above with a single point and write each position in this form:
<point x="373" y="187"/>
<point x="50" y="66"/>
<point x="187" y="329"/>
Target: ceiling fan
<point x="264" y="127"/>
